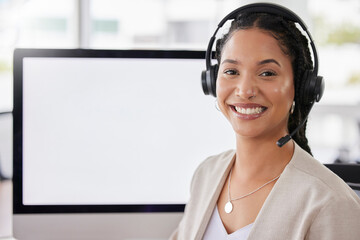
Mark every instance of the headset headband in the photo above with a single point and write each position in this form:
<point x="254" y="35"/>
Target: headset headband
<point x="263" y="8"/>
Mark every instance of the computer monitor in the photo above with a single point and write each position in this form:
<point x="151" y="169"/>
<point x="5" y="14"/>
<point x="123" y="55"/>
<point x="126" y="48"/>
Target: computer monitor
<point x="349" y="172"/>
<point x="106" y="141"/>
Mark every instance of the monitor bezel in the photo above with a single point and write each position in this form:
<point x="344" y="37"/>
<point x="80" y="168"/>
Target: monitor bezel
<point x="19" y="55"/>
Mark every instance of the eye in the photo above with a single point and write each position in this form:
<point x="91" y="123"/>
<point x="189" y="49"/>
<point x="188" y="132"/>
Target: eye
<point x="231" y="72"/>
<point x="268" y="74"/>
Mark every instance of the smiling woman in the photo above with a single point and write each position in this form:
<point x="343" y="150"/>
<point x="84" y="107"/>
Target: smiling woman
<point x="266" y="84"/>
<point x="258" y="88"/>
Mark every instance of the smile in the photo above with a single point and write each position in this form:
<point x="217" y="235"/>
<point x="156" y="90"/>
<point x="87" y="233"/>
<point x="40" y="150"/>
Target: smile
<point x="249" y="111"/>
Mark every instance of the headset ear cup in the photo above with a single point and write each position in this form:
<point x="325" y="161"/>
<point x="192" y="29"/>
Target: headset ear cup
<point x="208" y="80"/>
<point x="213" y="76"/>
<point x="307" y="94"/>
<point x="313" y="87"/>
<point x="204" y="81"/>
<point x="319" y="88"/>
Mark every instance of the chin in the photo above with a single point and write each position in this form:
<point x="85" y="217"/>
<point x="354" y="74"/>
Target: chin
<point x="248" y="133"/>
<point x="259" y="133"/>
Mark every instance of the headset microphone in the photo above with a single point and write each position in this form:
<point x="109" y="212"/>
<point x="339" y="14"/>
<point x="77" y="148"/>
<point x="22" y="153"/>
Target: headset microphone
<point x="281" y="142"/>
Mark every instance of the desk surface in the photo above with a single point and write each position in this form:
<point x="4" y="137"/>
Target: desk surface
<point x="5" y="209"/>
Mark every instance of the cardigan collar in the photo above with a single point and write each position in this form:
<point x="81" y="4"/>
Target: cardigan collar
<point x="219" y="182"/>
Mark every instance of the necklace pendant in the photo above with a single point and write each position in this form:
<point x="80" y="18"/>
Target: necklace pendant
<point x="228" y="207"/>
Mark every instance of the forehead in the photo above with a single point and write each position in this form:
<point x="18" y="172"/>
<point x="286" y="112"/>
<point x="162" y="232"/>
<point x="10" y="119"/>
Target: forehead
<point x="253" y="43"/>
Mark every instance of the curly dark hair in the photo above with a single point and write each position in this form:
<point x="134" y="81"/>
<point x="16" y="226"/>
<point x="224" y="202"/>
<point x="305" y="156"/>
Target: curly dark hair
<point x="294" y="44"/>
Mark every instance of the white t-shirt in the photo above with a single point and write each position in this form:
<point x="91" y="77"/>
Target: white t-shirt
<point x="216" y="230"/>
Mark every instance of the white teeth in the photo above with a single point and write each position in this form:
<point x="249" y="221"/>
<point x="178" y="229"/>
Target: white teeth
<point x="249" y="111"/>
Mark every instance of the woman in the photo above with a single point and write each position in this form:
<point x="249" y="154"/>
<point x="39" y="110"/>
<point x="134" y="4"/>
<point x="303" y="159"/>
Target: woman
<point x="261" y="191"/>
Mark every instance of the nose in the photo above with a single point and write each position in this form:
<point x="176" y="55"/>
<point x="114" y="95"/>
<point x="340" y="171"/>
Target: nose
<point x="246" y="88"/>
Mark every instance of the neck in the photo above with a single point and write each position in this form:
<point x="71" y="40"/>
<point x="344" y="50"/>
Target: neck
<point x="260" y="159"/>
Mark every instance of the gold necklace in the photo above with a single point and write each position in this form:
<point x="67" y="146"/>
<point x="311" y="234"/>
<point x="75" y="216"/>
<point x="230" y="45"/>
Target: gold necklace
<point x="229" y="206"/>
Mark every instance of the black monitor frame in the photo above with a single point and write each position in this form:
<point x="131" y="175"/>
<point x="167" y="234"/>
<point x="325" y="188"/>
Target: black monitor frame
<point x="19" y="55"/>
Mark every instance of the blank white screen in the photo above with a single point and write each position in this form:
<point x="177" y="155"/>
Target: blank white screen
<point x="115" y="131"/>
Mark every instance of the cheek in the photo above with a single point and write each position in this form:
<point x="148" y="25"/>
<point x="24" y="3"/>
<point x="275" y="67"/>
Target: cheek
<point x="283" y="95"/>
<point x="284" y="89"/>
<point x="223" y="89"/>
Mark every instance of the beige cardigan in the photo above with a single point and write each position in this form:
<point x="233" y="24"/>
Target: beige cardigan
<point x="307" y="202"/>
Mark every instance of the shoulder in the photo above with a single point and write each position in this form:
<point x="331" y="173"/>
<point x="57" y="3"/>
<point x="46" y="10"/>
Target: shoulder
<point x="319" y="178"/>
<point x="316" y="202"/>
<point x="333" y="206"/>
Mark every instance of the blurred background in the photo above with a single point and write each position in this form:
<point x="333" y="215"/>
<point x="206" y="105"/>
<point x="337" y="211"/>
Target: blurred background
<point x="334" y="124"/>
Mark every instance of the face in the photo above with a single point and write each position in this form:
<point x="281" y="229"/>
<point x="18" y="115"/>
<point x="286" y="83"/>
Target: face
<point x="255" y="86"/>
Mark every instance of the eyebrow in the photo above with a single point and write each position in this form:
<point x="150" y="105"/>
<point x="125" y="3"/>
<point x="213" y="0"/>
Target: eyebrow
<point x="229" y="61"/>
<point x="266" y="61"/>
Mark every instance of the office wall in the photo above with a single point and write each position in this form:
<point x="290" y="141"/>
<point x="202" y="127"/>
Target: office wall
<point x="185" y="24"/>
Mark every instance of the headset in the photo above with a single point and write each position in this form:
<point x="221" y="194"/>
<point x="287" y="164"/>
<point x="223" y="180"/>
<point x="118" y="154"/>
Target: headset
<point x="314" y="84"/>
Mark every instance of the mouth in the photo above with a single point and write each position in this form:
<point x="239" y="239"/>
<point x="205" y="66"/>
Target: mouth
<point x="248" y="111"/>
